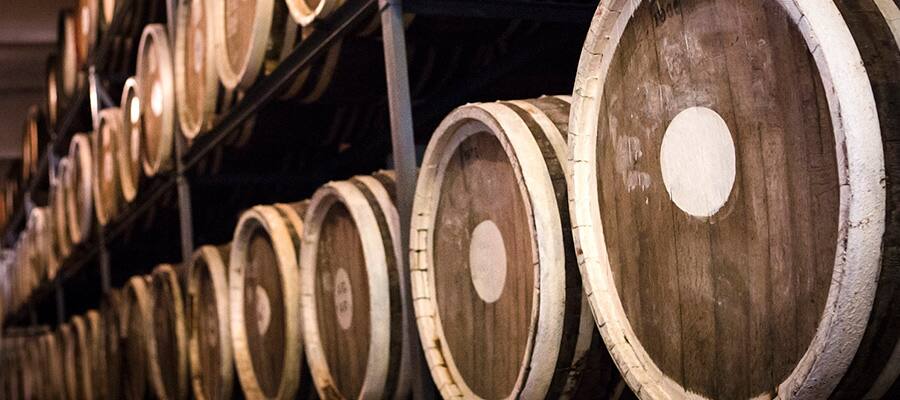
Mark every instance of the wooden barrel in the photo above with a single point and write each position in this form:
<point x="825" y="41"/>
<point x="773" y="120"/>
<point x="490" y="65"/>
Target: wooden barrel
<point x="80" y="359"/>
<point x="129" y="139"/>
<point x="199" y="94"/>
<point x="35" y="138"/>
<point x="139" y="325"/>
<point x="250" y="39"/>
<point x="59" y="213"/>
<point x="79" y="189"/>
<point x="38" y="226"/>
<point x="69" y="68"/>
<point x="350" y="290"/>
<point x="264" y="302"/>
<point x="305" y="12"/>
<point x="51" y="84"/>
<point x="66" y="339"/>
<point x="734" y="207"/>
<point x="106" y="182"/>
<point x="156" y="88"/>
<point x="113" y="349"/>
<point x="168" y="355"/>
<point x="499" y="303"/>
<point x="212" y="371"/>
<point x="87" y="30"/>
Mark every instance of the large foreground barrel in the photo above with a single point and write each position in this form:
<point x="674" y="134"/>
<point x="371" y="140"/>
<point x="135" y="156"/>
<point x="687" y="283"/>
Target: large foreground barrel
<point x="168" y="357"/>
<point x="497" y="291"/>
<point x="734" y="197"/>
<point x="156" y="88"/>
<point x="350" y="290"/>
<point x="212" y="371"/>
<point x="264" y="301"/>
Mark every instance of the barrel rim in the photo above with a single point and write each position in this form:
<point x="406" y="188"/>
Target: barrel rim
<point x="305" y="15"/>
<point x="862" y="199"/>
<point x="531" y="173"/>
<point x="267" y="219"/>
<point x="212" y="259"/>
<point x="126" y="159"/>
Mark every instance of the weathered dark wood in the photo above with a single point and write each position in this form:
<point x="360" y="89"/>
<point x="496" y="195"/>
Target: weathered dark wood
<point x="168" y="356"/>
<point x="211" y="357"/>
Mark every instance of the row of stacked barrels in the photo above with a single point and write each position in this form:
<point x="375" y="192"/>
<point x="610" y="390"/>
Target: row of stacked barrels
<point x="715" y="216"/>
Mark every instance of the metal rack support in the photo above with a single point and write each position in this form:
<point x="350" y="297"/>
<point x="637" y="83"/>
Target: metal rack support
<point x="404" y="157"/>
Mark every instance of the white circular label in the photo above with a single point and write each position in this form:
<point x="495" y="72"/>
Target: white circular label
<point x="156" y="99"/>
<point x="487" y="261"/>
<point x="263" y="311"/>
<point x="697" y="159"/>
<point x="343" y="299"/>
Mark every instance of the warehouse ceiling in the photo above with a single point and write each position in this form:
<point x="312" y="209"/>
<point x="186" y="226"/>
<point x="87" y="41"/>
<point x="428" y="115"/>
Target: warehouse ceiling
<point x="27" y="36"/>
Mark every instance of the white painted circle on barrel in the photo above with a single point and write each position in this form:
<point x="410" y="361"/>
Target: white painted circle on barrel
<point x="263" y="311"/>
<point x="487" y="261"/>
<point x="156" y="99"/>
<point x="343" y="299"/>
<point x="135" y="112"/>
<point x="697" y="159"/>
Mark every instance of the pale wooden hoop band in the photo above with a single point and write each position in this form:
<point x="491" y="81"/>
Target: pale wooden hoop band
<point x="211" y="259"/>
<point x="285" y="244"/>
<point x="381" y="359"/>
<point x="862" y="220"/>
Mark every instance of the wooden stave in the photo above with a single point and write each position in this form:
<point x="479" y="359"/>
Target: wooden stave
<point x="827" y="357"/>
<point x="68" y="344"/>
<point x="79" y="210"/>
<point x="138" y="327"/>
<point x="107" y="194"/>
<point x="81" y="356"/>
<point x="54" y="375"/>
<point x="52" y="86"/>
<point x="97" y="365"/>
<point x="128" y="156"/>
<point x="215" y="261"/>
<point x="286" y="242"/>
<point x="161" y="158"/>
<point x="371" y="203"/>
<point x="164" y="281"/>
<point x="545" y="166"/>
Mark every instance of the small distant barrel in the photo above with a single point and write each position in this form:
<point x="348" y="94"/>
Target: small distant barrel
<point x="87" y="28"/>
<point x="59" y="209"/>
<point x="264" y="301"/>
<point x="79" y="188"/>
<point x="139" y="324"/>
<point x="106" y="182"/>
<point x="156" y="88"/>
<point x="35" y="138"/>
<point x="68" y="73"/>
<point x="128" y="141"/>
<point x="168" y="356"/>
<point x="51" y="84"/>
<point x="211" y="356"/>
<point x="350" y="266"/>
